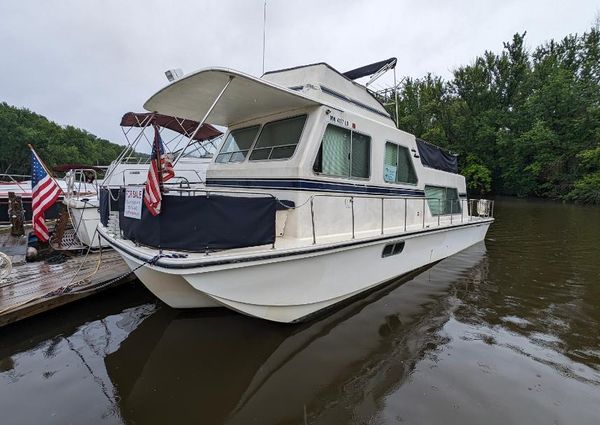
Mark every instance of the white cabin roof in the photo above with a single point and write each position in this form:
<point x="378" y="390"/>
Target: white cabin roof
<point x="247" y="97"/>
<point x="323" y="83"/>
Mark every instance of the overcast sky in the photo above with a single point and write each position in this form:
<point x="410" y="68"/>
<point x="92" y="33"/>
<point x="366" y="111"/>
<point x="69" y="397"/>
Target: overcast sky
<point x="86" y="62"/>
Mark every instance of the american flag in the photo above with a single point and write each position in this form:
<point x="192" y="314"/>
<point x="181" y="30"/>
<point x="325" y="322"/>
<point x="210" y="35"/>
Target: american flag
<point x="44" y="193"/>
<point x="161" y="170"/>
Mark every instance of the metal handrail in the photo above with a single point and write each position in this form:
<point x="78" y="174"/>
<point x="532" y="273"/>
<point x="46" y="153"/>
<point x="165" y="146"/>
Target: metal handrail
<point x="488" y="210"/>
<point x="487" y="206"/>
<point x="207" y="192"/>
<point x="178" y="170"/>
<point x="78" y="178"/>
<point x="13" y="177"/>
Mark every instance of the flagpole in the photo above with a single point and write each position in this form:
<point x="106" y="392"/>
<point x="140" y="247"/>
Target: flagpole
<point x="45" y="169"/>
<point x="158" y="158"/>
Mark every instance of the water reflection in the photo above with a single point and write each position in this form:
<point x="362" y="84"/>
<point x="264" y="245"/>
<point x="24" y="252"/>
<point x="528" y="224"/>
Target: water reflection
<point x="52" y="369"/>
<point x="219" y="367"/>
<point x="544" y="280"/>
<point x="504" y="334"/>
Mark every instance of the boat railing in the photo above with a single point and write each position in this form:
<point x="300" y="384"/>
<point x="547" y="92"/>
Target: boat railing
<point x="18" y="180"/>
<point x="81" y="182"/>
<point x="467" y="210"/>
<point x="135" y="160"/>
<point x="175" y="181"/>
<point x="13" y="178"/>
<point x="195" y="191"/>
<point x="482" y="208"/>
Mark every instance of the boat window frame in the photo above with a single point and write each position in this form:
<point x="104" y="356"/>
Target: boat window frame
<point x="258" y="126"/>
<point x="315" y="173"/>
<point x="412" y="163"/>
<point x="446" y="188"/>
<point x="262" y="126"/>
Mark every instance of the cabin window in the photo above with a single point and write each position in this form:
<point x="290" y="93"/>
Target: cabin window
<point x="278" y="139"/>
<point x="398" y="166"/>
<point x="344" y="153"/>
<point x="442" y="200"/>
<point x="237" y="145"/>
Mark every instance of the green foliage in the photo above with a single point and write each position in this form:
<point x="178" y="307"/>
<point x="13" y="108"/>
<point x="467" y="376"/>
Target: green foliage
<point x="587" y="189"/>
<point x="55" y="144"/>
<point x="478" y="176"/>
<point x="590" y="158"/>
<point x="528" y="120"/>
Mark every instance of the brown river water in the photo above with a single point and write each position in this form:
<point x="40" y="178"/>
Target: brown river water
<point x="505" y="332"/>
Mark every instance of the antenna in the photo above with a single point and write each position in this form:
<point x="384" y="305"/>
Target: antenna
<point x="396" y="97"/>
<point x="264" y="33"/>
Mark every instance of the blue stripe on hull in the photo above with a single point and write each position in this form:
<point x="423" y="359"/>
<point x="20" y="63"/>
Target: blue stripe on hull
<point x="313" y="186"/>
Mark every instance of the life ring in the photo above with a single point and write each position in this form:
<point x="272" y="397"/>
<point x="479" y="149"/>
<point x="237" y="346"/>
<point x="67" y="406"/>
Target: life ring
<point x="5" y="266"/>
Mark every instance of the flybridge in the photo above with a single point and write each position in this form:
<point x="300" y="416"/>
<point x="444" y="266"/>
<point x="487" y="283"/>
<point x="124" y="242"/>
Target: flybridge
<point x="322" y="82"/>
<point x="338" y="86"/>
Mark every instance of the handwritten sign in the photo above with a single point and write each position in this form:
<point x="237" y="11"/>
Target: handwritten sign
<point x="389" y="173"/>
<point x="134" y="197"/>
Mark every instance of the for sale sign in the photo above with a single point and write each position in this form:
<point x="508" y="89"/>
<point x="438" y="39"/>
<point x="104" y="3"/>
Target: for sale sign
<point x="134" y="196"/>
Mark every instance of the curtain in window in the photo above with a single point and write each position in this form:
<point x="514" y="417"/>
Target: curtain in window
<point x="390" y="163"/>
<point x="361" y="155"/>
<point x="435" y="199"/>
<point x="448" y="203"/>
<point x="336" y="151"/>
<point x="452" y="201"/>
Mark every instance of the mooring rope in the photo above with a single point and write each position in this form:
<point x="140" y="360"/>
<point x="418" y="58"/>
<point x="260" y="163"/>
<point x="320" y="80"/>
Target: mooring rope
<point x="72" y="289"/>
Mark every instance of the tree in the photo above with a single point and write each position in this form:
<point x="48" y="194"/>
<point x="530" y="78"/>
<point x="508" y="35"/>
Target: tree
<point x="520" y="121"/>
<point x="55" y="144"/>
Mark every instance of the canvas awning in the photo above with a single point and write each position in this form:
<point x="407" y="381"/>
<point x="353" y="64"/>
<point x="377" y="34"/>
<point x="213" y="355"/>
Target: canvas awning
<point x="180" y="125"/>
<point x="246" y="97"/>
<point x="371" y="69"/>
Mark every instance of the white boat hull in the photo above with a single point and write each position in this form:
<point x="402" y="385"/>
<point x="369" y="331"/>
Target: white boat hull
<point x="172" y="289"/>
<point x="290" y="288"/>
<point x="85" y="219"/>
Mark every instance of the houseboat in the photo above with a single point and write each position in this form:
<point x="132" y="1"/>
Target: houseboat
<point x="314" y="197"/>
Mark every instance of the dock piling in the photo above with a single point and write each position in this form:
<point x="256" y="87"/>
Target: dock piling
<point x="16" y="214"/>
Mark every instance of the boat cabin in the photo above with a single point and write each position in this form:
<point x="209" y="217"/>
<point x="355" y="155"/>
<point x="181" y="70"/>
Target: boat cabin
<point x="322" y="146"/>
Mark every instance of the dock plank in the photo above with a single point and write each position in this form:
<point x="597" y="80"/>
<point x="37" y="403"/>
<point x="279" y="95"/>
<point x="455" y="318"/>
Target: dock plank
<point x="36" y="287"/>
<point x="14" y="246"/>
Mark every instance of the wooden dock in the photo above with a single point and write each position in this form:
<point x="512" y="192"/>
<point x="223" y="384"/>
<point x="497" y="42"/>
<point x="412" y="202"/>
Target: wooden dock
<point x="36" y="287"/>
<point x="15" y="247"/>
